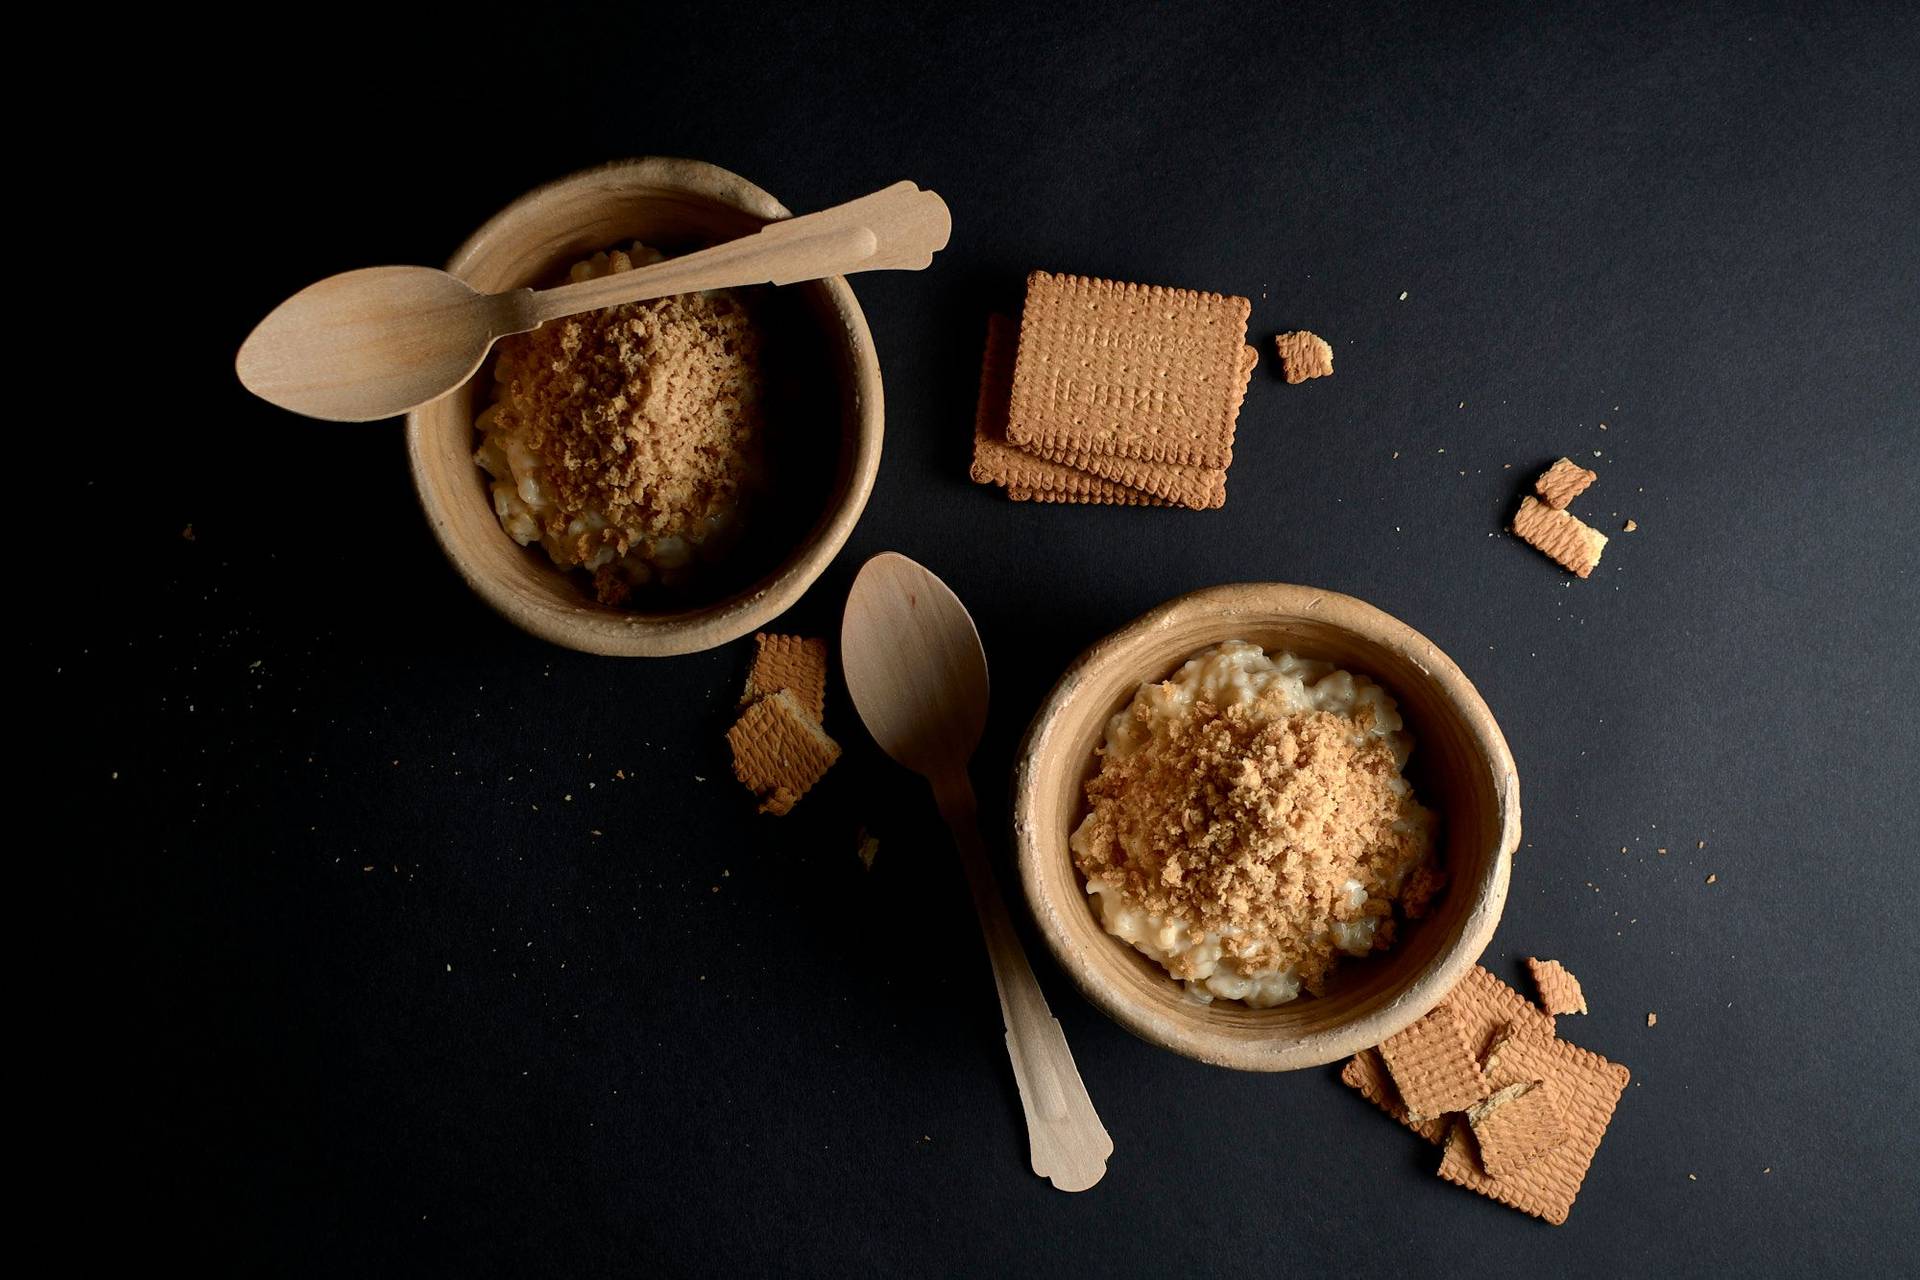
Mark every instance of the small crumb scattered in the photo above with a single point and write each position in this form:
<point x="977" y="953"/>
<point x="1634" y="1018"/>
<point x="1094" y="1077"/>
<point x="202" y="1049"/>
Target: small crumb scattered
<point x="869" y="847"/>
<point x="187" y="533"/>
<point x="1403" y="295"/>
<point x="1692" y="1178"/>
<point x="1629" y="527"/>
<point x="1653" y="1019"/>
<point x="1711" y="879"/>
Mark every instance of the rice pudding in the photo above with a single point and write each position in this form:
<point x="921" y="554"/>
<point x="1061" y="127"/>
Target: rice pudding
<point x="629" y="442"/>
<point x="1250" y="824"/>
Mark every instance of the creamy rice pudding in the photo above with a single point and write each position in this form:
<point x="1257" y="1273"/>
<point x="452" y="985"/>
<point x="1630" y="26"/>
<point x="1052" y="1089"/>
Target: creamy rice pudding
<point x="1250" y="824"/>
<point x="629" y="442"/>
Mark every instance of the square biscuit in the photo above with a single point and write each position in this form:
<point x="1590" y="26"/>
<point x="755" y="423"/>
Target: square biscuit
<point x="780" y="751"/>
<point x="1366" y="1073"/>
<point x="1514" y="1126"/>
<point x="1433" y="1067"/>
<point x="1027" y="477"/>
<point x="1584" y="1088"/>
<point x="1127" y="370"/>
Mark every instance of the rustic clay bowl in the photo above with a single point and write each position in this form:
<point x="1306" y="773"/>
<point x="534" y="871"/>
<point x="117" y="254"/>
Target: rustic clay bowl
<point x="825" y="446"/>
<point x="1460" y="767"/>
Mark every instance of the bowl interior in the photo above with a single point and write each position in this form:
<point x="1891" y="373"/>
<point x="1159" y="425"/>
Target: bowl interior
<point x="1459" y="768"/>
<point x="822" y="423"/>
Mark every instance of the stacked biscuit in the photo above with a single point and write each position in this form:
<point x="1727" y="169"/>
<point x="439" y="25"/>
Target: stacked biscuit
<point x="1113" y="393"/>
<point x="779" y="747"/>
<point x="1519" y="1111"/>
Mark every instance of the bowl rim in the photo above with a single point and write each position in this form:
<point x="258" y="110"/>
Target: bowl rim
<point x="1428" y="987"/>
<point x="588" y="628"/>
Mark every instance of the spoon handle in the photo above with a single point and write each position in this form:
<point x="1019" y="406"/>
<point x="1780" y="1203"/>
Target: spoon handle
<point x="1067" y="1143"/>
<point x="900" y="227"/>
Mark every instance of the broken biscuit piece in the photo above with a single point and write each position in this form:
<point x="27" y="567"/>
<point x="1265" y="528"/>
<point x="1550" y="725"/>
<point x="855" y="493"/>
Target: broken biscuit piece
<point x="1433" y="1067"/>
<point x="1573" y="545"/>
<point x="1514" y="1126"/>
<point x="1562" y="482"/>
<point x="1304" y="355"/>
<point x="794" y="663"/>
<point x="780" y="751"/>
<point x="1368" y="1074"/>
<point x="1559" y="990"/>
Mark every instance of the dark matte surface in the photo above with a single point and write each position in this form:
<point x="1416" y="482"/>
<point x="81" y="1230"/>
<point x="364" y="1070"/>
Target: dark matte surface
<point x="395" y="971"/>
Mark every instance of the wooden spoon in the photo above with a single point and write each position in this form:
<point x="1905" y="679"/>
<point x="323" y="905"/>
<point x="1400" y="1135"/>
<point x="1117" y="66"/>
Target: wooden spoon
<point x="918" y="675"/>
<point x="377" y="342"/>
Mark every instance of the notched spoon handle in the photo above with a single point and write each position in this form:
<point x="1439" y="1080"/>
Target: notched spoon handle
<point x="1067" y="1143"/>
<point x="899" y="228"/>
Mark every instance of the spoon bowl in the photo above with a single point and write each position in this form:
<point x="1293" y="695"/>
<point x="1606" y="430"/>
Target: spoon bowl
<point x="373" y="343"/>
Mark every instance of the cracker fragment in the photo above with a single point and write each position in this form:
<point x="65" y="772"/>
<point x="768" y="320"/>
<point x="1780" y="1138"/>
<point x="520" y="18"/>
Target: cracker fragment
<point x="1434" y="1068"/>
<point x="1490" y="1009"/>
<point x="1303" y="355"/>
<point x="780" y="751"/>
<point x="1584" y="1088"/>
<point x="1562" y="482"/>
<point x="797" y="664"/>
<point x="1572" y="543"/>
<point x="1514" y="1126"/>
<point x="1025" y="476"/>
<point x="1367" y="1073"/>
<point x="1559" y="989"/>
<point x="1128" y="370"/>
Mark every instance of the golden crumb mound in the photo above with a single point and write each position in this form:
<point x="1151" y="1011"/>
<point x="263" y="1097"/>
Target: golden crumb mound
<point x="1514" y="1126"/>
<point x="1304" y="355"/>
<point x="1562" y="482"/>
<point x="632" y="423"/>
<point x="1251" y="826"/>
<point x="797" y="664"/>
<point x="780" y="751"/>
<point x="1559" y="989"/>
<point x="1572" y="544"/>
<point x="1434" y="1069"/>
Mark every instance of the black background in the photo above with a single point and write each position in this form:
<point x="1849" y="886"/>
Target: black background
<point x="389" y="968"/>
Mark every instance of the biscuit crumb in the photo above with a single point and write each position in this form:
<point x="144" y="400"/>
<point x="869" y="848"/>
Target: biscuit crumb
<point x="1653" y="1019"/>
<point x="1304" y="355"/>
<point x="633" y="426"/>
<point x="1252" y="828"/>
<point x="868" y="849"/>
<point x="1629" y="527"/>
<point x="1711" y="879"/>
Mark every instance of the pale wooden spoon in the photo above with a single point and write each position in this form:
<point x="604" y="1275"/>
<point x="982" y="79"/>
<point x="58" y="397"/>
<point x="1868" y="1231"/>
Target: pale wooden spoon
<point x="377" y="342"/>
<point x="918" y="676"/>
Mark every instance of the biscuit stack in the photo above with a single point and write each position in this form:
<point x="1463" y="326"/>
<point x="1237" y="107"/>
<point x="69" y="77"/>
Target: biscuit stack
<point x="1113" y="393"/>
<point x="1519" y="1111"/>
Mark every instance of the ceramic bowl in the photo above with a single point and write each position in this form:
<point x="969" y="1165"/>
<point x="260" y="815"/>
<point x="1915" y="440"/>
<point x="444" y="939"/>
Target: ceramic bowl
<point x="824" y="405"/>
<point x="1460" y="768"/>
